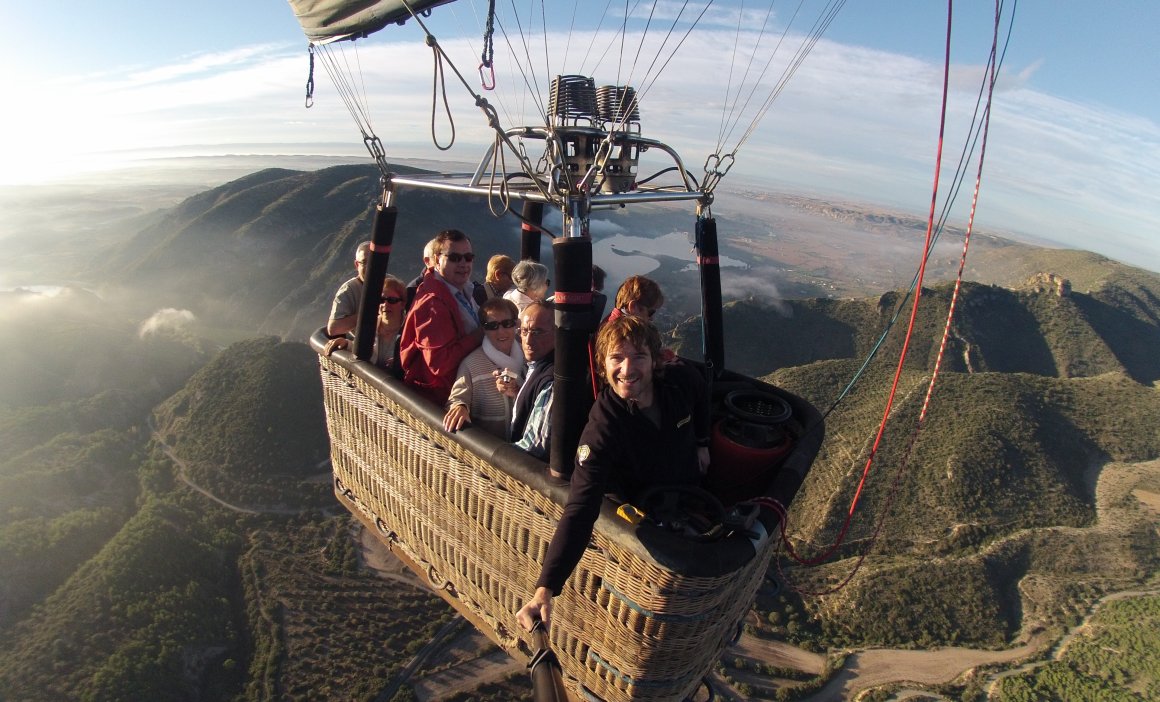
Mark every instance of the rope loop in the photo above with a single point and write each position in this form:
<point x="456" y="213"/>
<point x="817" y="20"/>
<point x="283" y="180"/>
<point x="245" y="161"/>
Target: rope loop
<point x="439" y="85"/>
<point x="498" y="197"/>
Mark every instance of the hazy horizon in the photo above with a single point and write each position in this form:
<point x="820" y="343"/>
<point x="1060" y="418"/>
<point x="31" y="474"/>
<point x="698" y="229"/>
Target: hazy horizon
<point x="46" y="215"/>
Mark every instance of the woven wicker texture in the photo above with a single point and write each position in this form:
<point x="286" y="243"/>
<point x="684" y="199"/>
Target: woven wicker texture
<point x="624" y="628"/>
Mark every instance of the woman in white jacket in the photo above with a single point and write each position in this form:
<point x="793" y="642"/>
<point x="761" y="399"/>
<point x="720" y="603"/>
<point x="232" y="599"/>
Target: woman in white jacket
<point x="474" y="398"/>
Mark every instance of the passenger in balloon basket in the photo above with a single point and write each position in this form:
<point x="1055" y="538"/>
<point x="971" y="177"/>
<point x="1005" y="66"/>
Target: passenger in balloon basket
<point x="428" y="261"/>
<point x="529" y="284"/>
<point x="531" y="428"/>
<point x="640" y="297"/>
<point x="599" y="299"/>
<point x="344" y="308"/>
<point x="442" y="326"/>
<point x="499" y="275"/>
<point x="475" y="397"/>
<point x="389" y="323"/>
<point x="648" y="427"/>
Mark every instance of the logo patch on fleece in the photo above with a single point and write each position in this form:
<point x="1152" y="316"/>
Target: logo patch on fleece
<point x="583" y="453"/>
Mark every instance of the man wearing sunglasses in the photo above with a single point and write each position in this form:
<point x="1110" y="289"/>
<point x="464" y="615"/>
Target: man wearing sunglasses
<point x="443" y="324"/>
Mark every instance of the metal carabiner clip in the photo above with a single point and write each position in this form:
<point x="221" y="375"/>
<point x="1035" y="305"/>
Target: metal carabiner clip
<point x="483" y="77"/>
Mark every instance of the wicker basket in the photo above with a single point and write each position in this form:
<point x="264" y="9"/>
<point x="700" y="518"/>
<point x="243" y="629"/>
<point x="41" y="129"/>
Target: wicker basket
<point x="644" y="616"/>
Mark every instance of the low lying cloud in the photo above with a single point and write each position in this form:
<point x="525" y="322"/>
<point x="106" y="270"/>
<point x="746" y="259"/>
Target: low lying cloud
<point x="757" y="287"/>
<point x="166" y="321"/>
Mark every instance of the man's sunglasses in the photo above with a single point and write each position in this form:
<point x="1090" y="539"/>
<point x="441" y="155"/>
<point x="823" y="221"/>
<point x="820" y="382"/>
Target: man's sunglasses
<point x="392" y="300"/>
<point x="506" y="324"/>
<point x="457" y="257"/>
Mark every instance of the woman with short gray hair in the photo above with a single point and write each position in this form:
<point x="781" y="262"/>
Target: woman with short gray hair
<point x="530" y="284"/>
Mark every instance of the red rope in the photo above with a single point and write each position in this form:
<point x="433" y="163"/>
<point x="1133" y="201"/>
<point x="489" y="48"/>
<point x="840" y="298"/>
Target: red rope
<point x="909" y="331"/>
<point x="908" y="453"/>
<point x="592" y="368"/>
<point x="970" y="222"/>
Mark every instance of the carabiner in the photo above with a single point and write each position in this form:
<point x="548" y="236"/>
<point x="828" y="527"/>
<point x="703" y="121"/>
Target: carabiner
<point x="483" y="77"/>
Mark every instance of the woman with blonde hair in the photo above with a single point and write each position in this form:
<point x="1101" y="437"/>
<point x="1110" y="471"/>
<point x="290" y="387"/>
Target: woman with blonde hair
<point x="499" y="275"/>
<point x="392" y="311"/>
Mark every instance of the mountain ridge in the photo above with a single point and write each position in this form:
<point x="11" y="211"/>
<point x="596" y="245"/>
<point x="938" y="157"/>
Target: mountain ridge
<point x="269" y="250"/>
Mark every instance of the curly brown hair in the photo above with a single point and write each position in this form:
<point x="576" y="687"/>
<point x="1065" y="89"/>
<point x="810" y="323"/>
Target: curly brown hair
<point x="635" y="331"/>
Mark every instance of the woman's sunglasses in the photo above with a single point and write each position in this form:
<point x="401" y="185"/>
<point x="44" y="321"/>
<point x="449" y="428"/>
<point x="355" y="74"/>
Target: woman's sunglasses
<point x="392" y="300"/>
<point x="506" y="324"/>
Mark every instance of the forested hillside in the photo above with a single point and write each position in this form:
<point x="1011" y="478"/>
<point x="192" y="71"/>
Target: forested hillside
<point x="1039" y="392"/>
<point x="1026" y="329"/>
<point x="123" y="581"/>
<point x="250" y="424"/>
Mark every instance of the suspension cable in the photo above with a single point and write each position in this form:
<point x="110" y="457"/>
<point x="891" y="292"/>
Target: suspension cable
<point x="544" y="33"/>
<point x="764" y="70"/>
<point x="607" y="52"/>
<point x="527" y="55"/>
<point x="480" y="102"/>
<point x="640" y="46"/>
<point x="717" y="165"/>
<point x="991" y="65"/>
<point x="533" y="90"/>
<point x="727" y="115"/>
<point x="647" y="83"/>
<point x="591" y="41"/>
<point x="910" y="330"/>
<point x="820" y="26"/>
<point x="355" y="105"/>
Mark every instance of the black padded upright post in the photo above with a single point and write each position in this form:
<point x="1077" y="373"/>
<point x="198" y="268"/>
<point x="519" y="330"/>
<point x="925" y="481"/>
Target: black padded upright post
<point x="533" y="217"/>
<point x="575" y="322"/>
<point x="382" y="237"/>
<point x="712" y="325"/>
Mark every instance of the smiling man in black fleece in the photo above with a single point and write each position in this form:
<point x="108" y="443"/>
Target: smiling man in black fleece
<point x="648" y="427"/>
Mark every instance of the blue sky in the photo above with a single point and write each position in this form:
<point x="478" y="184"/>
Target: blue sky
<point x="1074" y="156"/>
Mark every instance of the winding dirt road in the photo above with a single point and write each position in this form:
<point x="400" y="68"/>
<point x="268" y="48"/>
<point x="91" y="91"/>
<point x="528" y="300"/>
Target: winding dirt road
<point x="1060" y="647"/>
<point x="1111" y="484"/>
